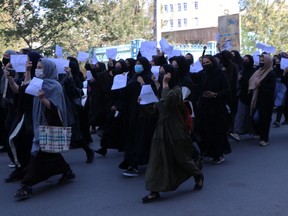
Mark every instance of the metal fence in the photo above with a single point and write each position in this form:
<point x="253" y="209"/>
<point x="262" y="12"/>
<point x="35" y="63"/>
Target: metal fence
<point x="131" y="50"/>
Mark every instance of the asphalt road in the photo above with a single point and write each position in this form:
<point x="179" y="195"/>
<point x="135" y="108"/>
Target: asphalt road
<point x="253" y="181"/>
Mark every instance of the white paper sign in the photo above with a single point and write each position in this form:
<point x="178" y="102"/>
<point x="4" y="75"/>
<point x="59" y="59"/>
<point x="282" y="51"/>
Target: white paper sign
<point x="165" y="46"/>
<point x="119" y="81"/>
<point x="185" y="92"/>
<point x="266" y="47"/>
<point x="256" y="56"/>
<point x="94" y="59"/>
<point x="58" y="51"/>
<point x="19" y="62"/>
<point x="155" y="71"/>
<point x="284" y="63"/>
<point x="196" y="67"/>
<point x="147" y="95"/>
<point x="111" y="53"/>
<point x="34" y="86"/>
<point x="82" y="56"/>
<point x="60" y="64"/>
<point x="175" y="53"/>
<point x="148" y="49"/>
<point x="88" y="75"/>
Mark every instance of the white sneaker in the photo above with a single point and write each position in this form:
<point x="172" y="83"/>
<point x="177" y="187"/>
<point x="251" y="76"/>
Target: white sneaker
<point x="131" y="172"/>
<point x="12" y="165"/>
<point x="235" y="136"/>
<point x="263" y="143"/>
<point x="256" y="136"/>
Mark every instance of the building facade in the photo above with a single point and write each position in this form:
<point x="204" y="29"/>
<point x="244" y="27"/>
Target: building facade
<point x="188" y="20"/>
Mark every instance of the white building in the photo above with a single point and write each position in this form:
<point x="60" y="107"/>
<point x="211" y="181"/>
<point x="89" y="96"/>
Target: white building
<point x="193" y="14"/>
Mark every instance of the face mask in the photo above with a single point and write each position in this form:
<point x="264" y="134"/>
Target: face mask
<point x="246" y="64"/>
<point x="39" y="73"/>
<point x="5" y="61"/>
<point x="110" y="68"/>
<point x="88" y="66"/>
<point x="189" y="61"/>
<point x="261" y="65"/>
<point x="207" y="66"/>
<point x="277" y="67"/>
<point x="138" y="69"/>
<point x="117" y="71"/>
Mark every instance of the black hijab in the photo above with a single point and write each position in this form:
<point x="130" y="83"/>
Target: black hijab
<point x="174" y="76"/>
<point x="34" y="58"/>
<point x="183" y="66"/>
<point x="76" y="73"/>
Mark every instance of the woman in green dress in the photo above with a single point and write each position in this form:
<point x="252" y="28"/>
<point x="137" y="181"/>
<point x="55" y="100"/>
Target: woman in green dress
<point x="170" y="162"/>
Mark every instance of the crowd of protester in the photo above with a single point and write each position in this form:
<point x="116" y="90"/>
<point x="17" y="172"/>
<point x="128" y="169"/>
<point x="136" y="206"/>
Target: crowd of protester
<point x="230" y="97"/>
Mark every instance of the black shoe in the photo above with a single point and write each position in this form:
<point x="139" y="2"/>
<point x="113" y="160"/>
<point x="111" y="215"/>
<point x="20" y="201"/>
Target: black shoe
<point x="131" y="172"/>
<point x="276" y="124"/>
<point x="123" y="165"/>
<point x="90" y="156"/>
<point x="198" y="163"/>
<point x="199" y="182"/>
<point x="151" y="197"/>
<point x="66" y="177"/>
<point x="217" y="160"/>
<point x="16" y="175"/>
<point x="25" y="192"/>
<point x="3" y="149"/>
<point x="101" y="151"/>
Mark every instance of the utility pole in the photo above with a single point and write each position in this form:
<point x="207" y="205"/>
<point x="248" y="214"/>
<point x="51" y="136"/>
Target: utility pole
<point x="157" y="20"/>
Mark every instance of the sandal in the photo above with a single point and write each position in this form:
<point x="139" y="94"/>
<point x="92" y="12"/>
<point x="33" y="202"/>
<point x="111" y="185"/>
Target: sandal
<point x="23" y="193"/>
<point x="151" y="197"/>
<point x="199" y="182"/>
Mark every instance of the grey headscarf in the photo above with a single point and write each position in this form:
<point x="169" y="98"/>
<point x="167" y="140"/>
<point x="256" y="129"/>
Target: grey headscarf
<point x="53" y="92"/>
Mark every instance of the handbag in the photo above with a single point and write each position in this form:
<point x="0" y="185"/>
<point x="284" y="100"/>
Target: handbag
<point x="54" y="139"/>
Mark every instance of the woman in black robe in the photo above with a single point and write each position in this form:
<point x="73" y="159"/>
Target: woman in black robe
<point x="231" y="69"/>
<point x="140" y="128"/>
<point x="21" y="137"/>
<point x="242" y="124"/>
<point x="72" y="88"/>
<point x="114" y="133"/>
<point x="211" y="111"/>
<point x="93" y="105"/>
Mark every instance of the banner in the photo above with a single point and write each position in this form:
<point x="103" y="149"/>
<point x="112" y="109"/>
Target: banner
<point x="229" y="32"/>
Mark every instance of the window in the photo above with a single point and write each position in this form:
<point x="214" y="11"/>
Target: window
<point x="171" y="23"/>
<point x="196" y="21"/>
<point x="171" y="7"/>
<point x="166" y="8"/>
<point x="185" y="6"/>
<point x="179" y="22"/>
<point x="166" y="23"/>
<point x="196" y="5"/>
<point x="179" y="6"/>
<point x="185" y="22"/>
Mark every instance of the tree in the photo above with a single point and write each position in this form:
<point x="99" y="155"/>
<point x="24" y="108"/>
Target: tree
<point x="11" y="45"/>
<point x="76" y="24"/>
<point x="109" y="23"/>
<point x="39" y="23"/>
<point x="264" y="21"/>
